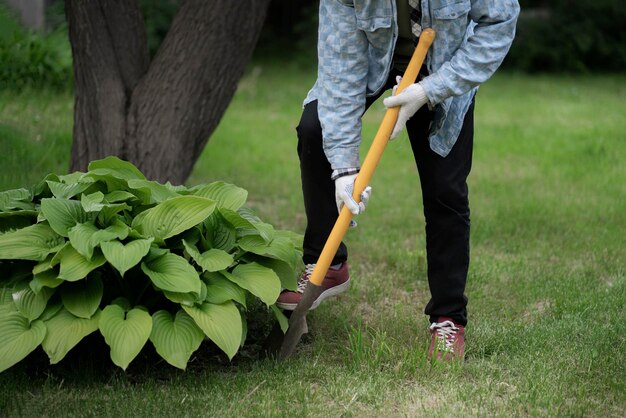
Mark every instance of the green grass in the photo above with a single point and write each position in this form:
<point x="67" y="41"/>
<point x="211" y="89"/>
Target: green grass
<point x="547" y="285"/>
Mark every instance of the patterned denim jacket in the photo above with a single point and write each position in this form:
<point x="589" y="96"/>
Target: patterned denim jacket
<point x="355" y="50"/>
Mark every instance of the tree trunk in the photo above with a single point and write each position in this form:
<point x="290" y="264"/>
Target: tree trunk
<point x="157" y="115"/>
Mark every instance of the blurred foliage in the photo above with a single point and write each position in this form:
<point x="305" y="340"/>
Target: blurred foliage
<point x="552" y="36"/>
<point x="157" y="16"/>
<point x="290" y="27"/>
<point x="570" y="36"/>
<point x="31" y="59"/>
<point x="290" y="30"/>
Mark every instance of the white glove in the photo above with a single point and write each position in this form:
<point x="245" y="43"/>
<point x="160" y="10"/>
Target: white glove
<point x="344" y="187"/>
<point x="410" y="100"/>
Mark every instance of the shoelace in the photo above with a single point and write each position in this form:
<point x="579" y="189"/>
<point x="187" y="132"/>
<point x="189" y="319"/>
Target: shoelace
<point x="446" y="331"/>
<point x="304" y="279"/>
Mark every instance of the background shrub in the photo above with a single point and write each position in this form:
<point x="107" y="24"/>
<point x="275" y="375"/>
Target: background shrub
<point x="32" y="59"/>
<point x="570" y="36"/>
<point x="552" y="36"/>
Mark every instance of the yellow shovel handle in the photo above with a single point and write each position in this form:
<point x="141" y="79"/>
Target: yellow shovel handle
<point x="371" y="160"/>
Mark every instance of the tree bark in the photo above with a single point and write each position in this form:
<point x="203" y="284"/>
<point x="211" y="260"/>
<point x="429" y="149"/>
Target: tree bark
<point x="157" y="115"/>
<point x="101" y="97"/>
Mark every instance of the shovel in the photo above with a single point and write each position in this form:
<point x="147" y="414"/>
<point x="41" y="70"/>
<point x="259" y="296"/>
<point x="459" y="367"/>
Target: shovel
<point x="297" y="319"/>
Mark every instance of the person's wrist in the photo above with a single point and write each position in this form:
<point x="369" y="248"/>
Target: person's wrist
<point x="342" y="172"/>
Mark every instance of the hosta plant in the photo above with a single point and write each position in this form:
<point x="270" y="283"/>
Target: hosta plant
<point x="109" y="251"/>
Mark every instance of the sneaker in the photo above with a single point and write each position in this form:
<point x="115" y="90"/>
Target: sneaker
<point x="335" y="282"/>
<point x="448" y="340"/>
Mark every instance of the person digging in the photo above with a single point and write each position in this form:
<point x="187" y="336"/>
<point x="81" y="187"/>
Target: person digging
<point x="363" y="48"/>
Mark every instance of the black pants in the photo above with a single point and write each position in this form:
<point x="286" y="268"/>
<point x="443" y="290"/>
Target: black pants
<point x="444" y="192"/>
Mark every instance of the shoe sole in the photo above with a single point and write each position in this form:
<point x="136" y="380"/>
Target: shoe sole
<point x="333" y="291"/>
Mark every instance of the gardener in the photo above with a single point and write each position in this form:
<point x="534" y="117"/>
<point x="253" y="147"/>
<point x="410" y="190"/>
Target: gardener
<point x="363" y="47"/>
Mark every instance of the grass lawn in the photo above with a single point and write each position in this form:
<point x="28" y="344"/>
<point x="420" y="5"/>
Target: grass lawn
<point x="547" y="285"/>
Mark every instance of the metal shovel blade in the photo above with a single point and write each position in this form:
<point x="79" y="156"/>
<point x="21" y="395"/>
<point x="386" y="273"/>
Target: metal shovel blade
<point x="297" y="320"/>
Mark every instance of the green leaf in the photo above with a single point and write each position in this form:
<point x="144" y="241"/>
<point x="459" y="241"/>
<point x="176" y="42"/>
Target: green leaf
<point x="117" y="230"/>
<point x="220" y="234"/>
<point x="45" y="279"/>
<point x="258" y="280"/>
<point x="175" y="339"/>
<point x="117" y="196"/>
<point x="188" y="299"/>
<point x="63" y="214"/>
<point x="293" y="237"/>
<point x="226" y="195"/>
<point x="280" y="248"/>
<point x="44" y="265"/>
<point x="106" y="180"/>
<point x="173" y="273"/>
<point x="6" y="300"/>
<point x="151" y="191"/>
<point x="74" y="266"/>
<point x="16" y="199"/>
<point x="249" y="214"/>
<point x="110" y="210"/>
<point x="92" y="202"/>
<point x="173" y="216"/>
<point x="179" y="188"/>
<point x="125" y="333"/>
<point x="283" y="321"/>
<point x="212" y="260"/>
<point x="156" y="252"/>
<point x="73" y="177"/>
<point x="80" y="238"/>
<point x="64" y="331"/>
<point x="28" y="303"/>
<point x="122" y="303"/>
<point x="220" y="289"/>
<point x="244" y="331"/>
<point x="116" y="167"/>
<point x="85" y="237"/>
<point x="235" y="219"/>
<point x="19" y="337"/>
<point x="53" y="307"/>
<point x="221" y="323"/>
<point x="246" y="225"/>
<point x="31" y="243"/>
<point x="66" y="190"/>
<point x="286" y="273"/>
<point x="265" y="230"/>
<point x="192" y="236"/>
<point x="125" y="256"/>
<point x="82" y="298"/>
<point x="41" y="189"/>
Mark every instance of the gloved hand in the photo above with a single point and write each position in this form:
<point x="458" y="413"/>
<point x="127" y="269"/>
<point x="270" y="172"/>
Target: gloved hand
<point x="344" y="187"/>
<point x="410" y="100"/>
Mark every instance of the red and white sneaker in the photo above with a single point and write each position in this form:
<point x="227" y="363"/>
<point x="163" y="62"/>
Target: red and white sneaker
<point x="447" y="340"/>
<point x="335" y="282"/>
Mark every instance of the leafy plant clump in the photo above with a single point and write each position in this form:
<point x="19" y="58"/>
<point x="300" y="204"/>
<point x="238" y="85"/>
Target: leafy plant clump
<point x="136" y="260"/>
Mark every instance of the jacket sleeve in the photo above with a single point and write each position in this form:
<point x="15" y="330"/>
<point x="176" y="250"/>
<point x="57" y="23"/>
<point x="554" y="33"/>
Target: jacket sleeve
<point x="341" y="82"/>
<point x="480" y="54"/>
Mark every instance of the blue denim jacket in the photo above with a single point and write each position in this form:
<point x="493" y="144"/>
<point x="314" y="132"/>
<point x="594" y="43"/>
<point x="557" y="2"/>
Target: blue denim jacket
<point x="355" y="51"/>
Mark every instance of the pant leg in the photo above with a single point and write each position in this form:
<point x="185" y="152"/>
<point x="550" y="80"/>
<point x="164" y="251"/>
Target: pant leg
<point x="317" y="187"/>
<point x="447" y="214"/>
